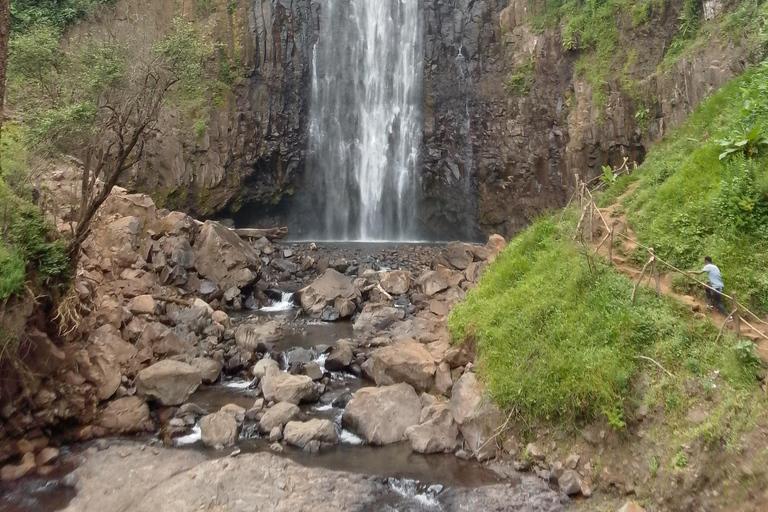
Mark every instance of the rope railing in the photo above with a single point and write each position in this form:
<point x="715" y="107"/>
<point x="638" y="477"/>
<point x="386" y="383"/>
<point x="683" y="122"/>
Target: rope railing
<point x="588" y="208"/>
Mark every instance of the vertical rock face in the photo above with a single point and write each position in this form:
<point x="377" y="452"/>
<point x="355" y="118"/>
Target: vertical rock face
<point x="492" y="154"/>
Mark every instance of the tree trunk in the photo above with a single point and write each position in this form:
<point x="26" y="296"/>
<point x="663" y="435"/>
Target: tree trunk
<point x="5" y="35"/>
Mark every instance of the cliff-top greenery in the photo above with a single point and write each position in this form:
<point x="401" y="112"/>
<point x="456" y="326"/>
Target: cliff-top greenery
<point x="605" y="33"/>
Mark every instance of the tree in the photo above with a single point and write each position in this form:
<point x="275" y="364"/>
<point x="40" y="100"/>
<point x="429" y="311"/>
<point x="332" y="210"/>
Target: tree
<point x="100" y="100"/>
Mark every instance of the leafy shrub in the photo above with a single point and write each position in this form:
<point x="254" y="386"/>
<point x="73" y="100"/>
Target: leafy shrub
<point x="11" y="273"/>
<point x="521" y="81"/>
<point x="30" y="13"/>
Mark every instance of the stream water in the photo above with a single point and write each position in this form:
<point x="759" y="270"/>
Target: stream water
<point x="415" y="482"/>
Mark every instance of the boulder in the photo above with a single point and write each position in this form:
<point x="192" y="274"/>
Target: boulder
<point x="405" y="361"/>
<point x="260" y="368"/>
<point x="218" y="430"/>
<point x="47" y="455"/>
<point x="101" y="367"/>
<point x="300" y="434"/>
<point x="443" y="380"/>
<point x="235" y="411"/>
<point x="41" y="356"/>
<point x="209" y="369"/>
<point x="278" y="415"/>
<point x="345" y="307"/>
<point x="13" y="472"/>
<point x="220" y="317"/>
<point x="458" y="255"/>
<point x="255" y="337"/>
<point x="381" y="415"/>
<point x="377" y="316"/>
<point x="569" y="482"/>
<point x="631" y="506"/>
<point x="168" y="382"/>
<point x="312" y="370"/>
<point x="175" y="224"/>
<point x="397" y="282"/>
<point x="280" y="386"/>
<point x="495" y="245"/>
<point x="142" y="305"/>
<point x="126" y="415"/>
<point x="437" y="433"/>
<point x="432" y="282"/>
<point x="340" y="357"/>
<point x="476" y="416"/>
<point x="224" y="258"/>
<point x="326" y="290"/>
<point x="161" y="340"/>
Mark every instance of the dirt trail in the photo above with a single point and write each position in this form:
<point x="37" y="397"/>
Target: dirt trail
<point x="625" y="246"/>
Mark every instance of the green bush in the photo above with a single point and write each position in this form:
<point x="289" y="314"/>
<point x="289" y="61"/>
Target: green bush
<point x="557" y="338"/>
<point x="11" y="273"/>
<point x="29" y="13"/>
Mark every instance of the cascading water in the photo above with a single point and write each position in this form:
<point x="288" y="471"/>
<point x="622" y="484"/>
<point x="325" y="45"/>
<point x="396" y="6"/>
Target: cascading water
<point x="365" y="119"/>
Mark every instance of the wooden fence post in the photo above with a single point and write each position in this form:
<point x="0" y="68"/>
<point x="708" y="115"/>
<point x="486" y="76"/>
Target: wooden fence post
<point x="736" y="316"/>
<point x="655" y="272"/>
<point x="610" y="243"/>
<point x="591" y="217"/>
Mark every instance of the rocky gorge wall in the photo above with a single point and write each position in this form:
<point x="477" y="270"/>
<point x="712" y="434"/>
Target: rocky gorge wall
<point x="492" y="156"/>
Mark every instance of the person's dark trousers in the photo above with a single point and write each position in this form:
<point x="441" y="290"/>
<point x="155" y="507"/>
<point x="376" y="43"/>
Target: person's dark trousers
<point x="715" y="297"/>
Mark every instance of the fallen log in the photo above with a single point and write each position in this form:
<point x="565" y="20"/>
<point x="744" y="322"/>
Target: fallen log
<point x="269" y="233"/>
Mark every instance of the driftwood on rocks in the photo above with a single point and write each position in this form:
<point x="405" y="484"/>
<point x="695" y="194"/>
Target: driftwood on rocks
<point x="256" y="233"/>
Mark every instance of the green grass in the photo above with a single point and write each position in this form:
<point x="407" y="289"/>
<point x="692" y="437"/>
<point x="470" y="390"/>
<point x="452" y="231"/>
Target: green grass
<point x="557" y="340"/>
<point x="689" y="203"/>
<point x="523" y="78"/>
<point x="30" y="250"/>
<point x="12" y="273"/>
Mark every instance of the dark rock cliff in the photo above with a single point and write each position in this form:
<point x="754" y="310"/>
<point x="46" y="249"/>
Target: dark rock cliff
<point x="492" y="156"/>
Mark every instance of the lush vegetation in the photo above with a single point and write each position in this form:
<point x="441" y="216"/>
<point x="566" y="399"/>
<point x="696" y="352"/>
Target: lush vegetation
<point x="30" y="251"/>
<point x="597" y="29"/>
<point x="557" y="335"/>
<point x="704" y="189"/>
<point x="26" y="14"/>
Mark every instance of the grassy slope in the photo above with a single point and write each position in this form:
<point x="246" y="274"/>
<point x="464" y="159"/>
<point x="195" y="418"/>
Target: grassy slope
<point x="688" y="203"/>
<point x="557" y="337"/>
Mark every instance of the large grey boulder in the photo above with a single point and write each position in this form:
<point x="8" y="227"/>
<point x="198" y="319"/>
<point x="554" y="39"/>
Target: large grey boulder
<point x="298" y="433"/>
<point x="405" y="361"/>
<point x="278" y="415"/>
<point x="126" y="415"/>
<point x="381" y="415"/>
<point x="224" y="258"/>
<point x="280" y="386"/>
<point x="218" y="430"/>
<point x="437" y="432"/>
<point x="325" y="290"/>
<point x="475" y="415"/>
<point x="252" y="337"/>
<point x="168" y="382"/>
<point x="377" y="316"/>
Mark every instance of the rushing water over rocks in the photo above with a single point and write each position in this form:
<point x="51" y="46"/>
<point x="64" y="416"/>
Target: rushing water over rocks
<point x="365" y="119"/>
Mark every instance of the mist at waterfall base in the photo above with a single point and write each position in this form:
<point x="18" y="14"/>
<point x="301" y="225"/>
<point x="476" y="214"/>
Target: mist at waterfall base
<point x="365" y="124"/>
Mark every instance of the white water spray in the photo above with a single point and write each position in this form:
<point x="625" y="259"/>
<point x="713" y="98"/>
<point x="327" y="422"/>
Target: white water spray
<point x="365" y="118"/>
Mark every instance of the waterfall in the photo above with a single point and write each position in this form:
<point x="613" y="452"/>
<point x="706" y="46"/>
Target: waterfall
<point x="365" y="119"/>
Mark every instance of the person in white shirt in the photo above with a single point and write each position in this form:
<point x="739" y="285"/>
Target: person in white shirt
<point x="716" y="282"/>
